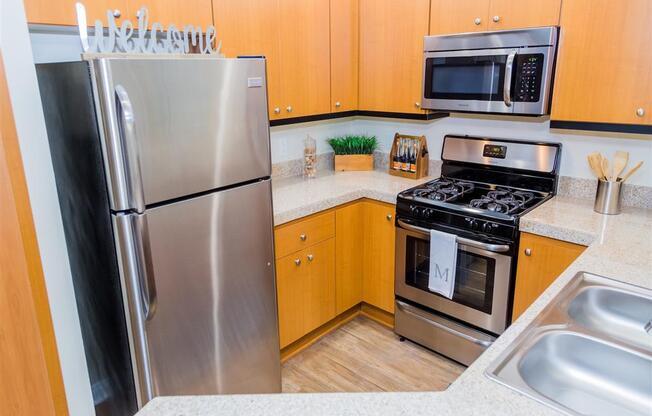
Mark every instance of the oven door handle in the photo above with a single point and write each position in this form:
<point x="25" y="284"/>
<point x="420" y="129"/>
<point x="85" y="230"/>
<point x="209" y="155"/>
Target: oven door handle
<point x="495" y="248"/>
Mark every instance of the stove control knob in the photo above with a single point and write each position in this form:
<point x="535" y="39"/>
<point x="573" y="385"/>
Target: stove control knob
<point x="414" y="209"/>
<point x="427" y="213"/>
<point x="473" y="224"/>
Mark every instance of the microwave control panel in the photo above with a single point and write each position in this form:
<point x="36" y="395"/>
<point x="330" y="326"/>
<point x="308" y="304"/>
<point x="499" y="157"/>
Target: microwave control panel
<point x="529" y="71"/>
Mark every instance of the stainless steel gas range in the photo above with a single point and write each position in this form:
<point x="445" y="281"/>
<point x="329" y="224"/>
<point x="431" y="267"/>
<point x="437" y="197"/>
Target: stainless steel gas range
<point x="486" y="185"/>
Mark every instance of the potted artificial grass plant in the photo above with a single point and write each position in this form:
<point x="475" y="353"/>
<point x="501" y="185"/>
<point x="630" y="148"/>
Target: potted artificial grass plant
<point x="354" y="152"/>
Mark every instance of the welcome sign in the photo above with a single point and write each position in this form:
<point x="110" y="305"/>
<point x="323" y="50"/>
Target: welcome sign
<point x="138" y="39"/>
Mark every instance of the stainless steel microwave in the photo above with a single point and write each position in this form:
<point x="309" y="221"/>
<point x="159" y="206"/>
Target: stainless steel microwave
<point x="507" y="72"/>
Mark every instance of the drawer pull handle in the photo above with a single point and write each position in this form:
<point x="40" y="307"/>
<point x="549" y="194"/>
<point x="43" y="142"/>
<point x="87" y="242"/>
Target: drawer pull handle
<point x="310" y="257"/>
<point x="303" y="237"/>
<point x="297" y="262"/>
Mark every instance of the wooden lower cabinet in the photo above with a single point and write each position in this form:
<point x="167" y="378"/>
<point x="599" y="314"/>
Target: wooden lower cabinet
<point x="305" y="283"/>
<point x="378" y="255"/>
<point x="540" y="261"/>
<point x="349" y="243"/>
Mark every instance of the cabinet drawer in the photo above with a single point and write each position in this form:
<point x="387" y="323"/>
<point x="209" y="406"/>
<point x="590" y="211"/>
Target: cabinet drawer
<point x="303" y="233"/>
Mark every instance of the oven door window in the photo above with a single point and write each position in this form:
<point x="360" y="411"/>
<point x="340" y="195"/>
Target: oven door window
<point x="479" y="78"/>
<point x="474" y="277"/>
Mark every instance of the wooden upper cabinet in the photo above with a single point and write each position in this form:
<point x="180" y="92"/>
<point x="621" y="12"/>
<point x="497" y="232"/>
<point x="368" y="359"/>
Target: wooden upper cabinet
<point x="604" y="64"/>
<point x="458" y="16"/>
<point x="517" y="14"/>
<point x="63" y="12"/>
<point x="251" y="27"/>
<point x="391" y="54"/>
<point x="177" y="12"/>
<point x="304" y="50"/>
<point x="540" y="261"/>
<point x="344" y="54"/>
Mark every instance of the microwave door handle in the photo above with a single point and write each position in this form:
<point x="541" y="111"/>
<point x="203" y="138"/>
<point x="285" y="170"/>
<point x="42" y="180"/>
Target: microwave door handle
<point x="131" y="162"/>
<point x="507" y="88"/>
<point x="494" y="248"/>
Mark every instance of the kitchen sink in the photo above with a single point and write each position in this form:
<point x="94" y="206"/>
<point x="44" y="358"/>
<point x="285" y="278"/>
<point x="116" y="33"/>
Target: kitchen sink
<point x="614" y="312"/>
<point x="589" y="352"/>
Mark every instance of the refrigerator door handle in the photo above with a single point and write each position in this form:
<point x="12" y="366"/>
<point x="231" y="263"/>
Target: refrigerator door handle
<point x="135" y="263"/>
<point x="131" y="162"/>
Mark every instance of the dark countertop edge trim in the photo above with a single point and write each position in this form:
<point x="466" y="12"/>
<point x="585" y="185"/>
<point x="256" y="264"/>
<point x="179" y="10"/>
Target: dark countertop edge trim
<point x="342" y="114"/>
<point x="608" y="127"/>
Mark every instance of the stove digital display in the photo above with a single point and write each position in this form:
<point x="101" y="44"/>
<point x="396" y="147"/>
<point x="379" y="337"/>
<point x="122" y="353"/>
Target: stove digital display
<point x="492" y="150"/>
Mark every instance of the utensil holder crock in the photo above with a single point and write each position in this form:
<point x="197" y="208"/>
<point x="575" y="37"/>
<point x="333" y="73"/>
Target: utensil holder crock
<point x="607" y="197"/>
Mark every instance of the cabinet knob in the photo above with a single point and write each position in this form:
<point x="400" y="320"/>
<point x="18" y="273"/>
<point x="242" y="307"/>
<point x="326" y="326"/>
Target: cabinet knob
<point x="417" y="105"/>
<point x="288" y="108"/>
<point x="338" y="104"/>
<point x="116" y="13"/>
<point x="640" y="112"/>
<point x="528" y="252"/>
<point x="496" y="18"/>
<point x="277" y="110"/>
<point x="389" y="217"/>
<point x="477" y="21"/>
<point x="310" y="257"/>
<point x="297" y="262"/>
<point x="303" y="237"/>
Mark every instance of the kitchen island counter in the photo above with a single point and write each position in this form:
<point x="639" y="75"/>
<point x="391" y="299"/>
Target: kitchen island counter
<point x="620" y="247"/>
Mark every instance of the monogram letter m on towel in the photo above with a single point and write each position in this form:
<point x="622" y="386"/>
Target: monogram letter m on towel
<point x="443" y="263"/>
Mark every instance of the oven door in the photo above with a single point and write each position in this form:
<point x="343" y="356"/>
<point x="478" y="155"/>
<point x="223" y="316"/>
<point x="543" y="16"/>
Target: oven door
<point x="482" y="278"/>
<point x="474" y="80"/>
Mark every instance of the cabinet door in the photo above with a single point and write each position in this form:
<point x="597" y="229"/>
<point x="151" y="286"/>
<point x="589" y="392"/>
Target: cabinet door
<point x="63" y="12"/>
<point x="320" y="286"/>
<point x="540" y="261"/>
<point x="304" y="50"/>
<point x="250" y="27"/>
<point x="291" y="287"/>
<point x="177" y="12"/>
<point x="391" y="54"/>
<point x="379" y="238"/>
<point x="344" y="55"/>
<point x="604" y="65"/>
<point x="349" y="250"/>
<point x="515" y="14"/>
<point x="458" y="16"/>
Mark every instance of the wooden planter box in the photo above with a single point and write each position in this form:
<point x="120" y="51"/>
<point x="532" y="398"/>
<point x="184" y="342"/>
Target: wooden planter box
<point x="354" y="162"/>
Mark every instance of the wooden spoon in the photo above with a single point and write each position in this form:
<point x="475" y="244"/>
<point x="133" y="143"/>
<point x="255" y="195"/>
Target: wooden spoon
<point x="620" y="161"/>
<point x="605" y="168"/>
<point x="595" y="164"/>
<point x="631" y="171"/>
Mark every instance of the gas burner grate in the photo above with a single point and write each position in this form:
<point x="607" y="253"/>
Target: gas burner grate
<point x="443" y="190"/>
<point x="503" y="201"/>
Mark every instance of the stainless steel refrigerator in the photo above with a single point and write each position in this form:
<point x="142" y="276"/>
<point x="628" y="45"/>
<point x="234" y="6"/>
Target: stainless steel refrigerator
<point x="163" y="172"/>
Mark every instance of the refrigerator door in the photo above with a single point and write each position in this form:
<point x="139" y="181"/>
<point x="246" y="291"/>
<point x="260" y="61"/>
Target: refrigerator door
<point x="178" y="126"/>
<point x="202" y="294"/>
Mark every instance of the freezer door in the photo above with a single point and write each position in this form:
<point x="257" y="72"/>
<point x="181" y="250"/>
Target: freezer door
<point x="205" y="295"/>
<point x="173" y="127"/>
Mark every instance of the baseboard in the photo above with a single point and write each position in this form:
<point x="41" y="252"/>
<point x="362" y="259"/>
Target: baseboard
<point x="379" y="315"/>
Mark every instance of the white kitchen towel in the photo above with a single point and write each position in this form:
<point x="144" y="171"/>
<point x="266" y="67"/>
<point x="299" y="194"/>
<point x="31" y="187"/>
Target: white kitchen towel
<point x="443" y="263"/>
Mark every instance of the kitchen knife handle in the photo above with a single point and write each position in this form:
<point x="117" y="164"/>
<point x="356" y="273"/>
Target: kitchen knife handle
<point x="131" y="163"/>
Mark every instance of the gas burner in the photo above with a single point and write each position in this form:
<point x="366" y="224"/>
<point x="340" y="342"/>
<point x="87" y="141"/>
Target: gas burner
<point x="443" y="190"/>
<point x="503" y="201"/>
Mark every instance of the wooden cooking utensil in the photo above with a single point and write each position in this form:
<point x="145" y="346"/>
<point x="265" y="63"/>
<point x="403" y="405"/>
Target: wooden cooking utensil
<point x="595" y="164"/>
<point x="631" y="171"/>
<point x="605" y="168"/>
<point x="620" y="161"/>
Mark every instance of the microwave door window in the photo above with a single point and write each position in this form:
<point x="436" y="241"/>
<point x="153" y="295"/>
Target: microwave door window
<point x="474" y="276"/>
<point x="466" y="78"/>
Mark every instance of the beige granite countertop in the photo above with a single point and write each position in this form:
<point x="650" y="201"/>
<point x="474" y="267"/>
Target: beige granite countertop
<point x="620" y="247"/>
<point x="296" y="197"/>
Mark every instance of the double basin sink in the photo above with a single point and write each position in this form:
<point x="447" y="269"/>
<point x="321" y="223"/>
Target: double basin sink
<point x="589" y="352"/>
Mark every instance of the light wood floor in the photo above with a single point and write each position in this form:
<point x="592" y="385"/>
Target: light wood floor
<point x="364" y="356"/>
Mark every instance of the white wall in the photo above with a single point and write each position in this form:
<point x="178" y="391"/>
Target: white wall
<point x="286" y="142"/>
<point x="35" y="151"/>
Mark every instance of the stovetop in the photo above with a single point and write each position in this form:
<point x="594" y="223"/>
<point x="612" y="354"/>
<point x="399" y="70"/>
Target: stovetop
<point x="475" y="197"/>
